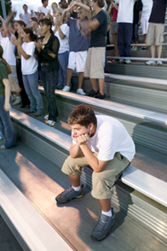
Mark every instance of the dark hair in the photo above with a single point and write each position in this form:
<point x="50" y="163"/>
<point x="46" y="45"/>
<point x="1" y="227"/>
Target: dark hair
<point x="34" y="19"/>
<point x="25" y="5"/>
<point x="33" y="37"/>
<point x="47" y="22"/>
<point x="1" y="51"/>
<point x="83" y="115"/>
<point x="21" y="22"/>
<point x="43" y="1"/>
<point x="100" y="3"/>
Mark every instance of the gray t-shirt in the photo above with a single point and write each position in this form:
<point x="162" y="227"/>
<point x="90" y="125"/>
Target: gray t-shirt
<point x="77" y="41"/>
<point x="25" y="18"/>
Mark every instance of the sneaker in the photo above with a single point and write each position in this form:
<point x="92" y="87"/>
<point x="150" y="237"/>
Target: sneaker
<point x="159" y="62"/>
<point x="103" y="227"/>
<point x="100" y="96"/>
<point x="66" y="88"/>
<point x="121" y="61"/>
<point x="2" y="137"/>
<point x="30" y="111"/>
<point x="69" y="194"/>
<point x="46" y="117"/>
<point x="50" y="122"/>
<point x="17" y="100"/>
<point x="80" y="91"/>
<point x="134" y="48"/>
<point x="127" y="61"/>
<point x="150" y="62"/>
<point x="92" y="93"/>
<point x="143" y="48"/>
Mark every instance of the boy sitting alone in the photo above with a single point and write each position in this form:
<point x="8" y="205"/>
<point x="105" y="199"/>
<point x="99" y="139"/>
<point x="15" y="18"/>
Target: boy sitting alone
<point x="103" y="143"/>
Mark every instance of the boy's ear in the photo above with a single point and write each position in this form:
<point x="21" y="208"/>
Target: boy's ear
<point x="91" y="126"/>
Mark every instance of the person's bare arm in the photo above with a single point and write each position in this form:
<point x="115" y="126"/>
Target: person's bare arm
<point x="6" y="83"/>
<point x="7" y="25"/>
<point x="20" y="49"/>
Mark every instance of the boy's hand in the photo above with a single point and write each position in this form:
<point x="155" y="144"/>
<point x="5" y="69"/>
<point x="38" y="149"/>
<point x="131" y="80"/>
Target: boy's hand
<point x="82" y="139"/>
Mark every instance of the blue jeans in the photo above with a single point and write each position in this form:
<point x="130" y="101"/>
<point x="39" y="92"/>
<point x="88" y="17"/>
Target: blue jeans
<point x="124" y="39"/>
<point x="6" y="126"/>
<point x="49" y="82"/>
<point x="63" y="62"/>
<point x="31" y="87"/>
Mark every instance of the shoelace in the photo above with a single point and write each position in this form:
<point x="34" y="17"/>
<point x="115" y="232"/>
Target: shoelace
<point x="67" y="190"/>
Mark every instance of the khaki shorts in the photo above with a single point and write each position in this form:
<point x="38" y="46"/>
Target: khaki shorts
<point x="95" y="62"/>
<point x="155" y="34"/>
<point x="114" y="27"/>
<point x="103" y="181"/>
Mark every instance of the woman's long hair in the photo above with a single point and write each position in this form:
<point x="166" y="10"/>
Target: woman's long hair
<point x="9" y="69"/>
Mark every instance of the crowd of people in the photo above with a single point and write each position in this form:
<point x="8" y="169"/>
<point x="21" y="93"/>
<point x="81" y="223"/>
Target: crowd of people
<point x="50" y="45"/>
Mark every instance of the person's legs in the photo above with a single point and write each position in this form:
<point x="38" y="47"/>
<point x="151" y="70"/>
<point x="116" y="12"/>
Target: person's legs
<point x="33" y="84"/>
<point x="128" y="38"/>
<point x="6" y="125"/>
<point x="121" y="39"/>
<point x="153" y="51"/>
<point x="80" y="79"/>
<point x="69" y="76"/>
<point x="29" y="92"/>
<point x="159" y="50"/>
<point x="49" y="81"/>
<point x="115" y="45"/>
<point x="24" y="97"/>
<point x="101" y="85"/>
<point x="63" y="61"/>
<point x="93" y="84"/>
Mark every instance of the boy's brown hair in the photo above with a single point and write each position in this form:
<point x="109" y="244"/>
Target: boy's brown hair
<point x="82" y="115"/>
<point x="100" y="3"/>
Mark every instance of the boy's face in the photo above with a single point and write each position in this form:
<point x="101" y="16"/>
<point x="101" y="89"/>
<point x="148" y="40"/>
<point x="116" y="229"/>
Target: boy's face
<point x="78" y="130"/>
<point x="81" y="14"/>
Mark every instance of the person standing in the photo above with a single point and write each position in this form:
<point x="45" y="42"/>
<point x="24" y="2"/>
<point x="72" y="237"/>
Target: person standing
<point x="125" y="23"/>
<point x="46" y="51"/>
<point x="156" y="29"/>
<point x="6" y="126"/>
<point x="26" y="16"/>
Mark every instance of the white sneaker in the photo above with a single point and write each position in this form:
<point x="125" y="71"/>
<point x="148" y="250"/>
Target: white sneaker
<point x="127" y="61"/>
<point x="121" y="61"/>
<point x="150" y="62"/>
<point x="66" y="88"/>
<point x="50" y="122"/>
<point x="134" y="48"/>
<point x="17" y="100"/>
<point x="1" y="138"/>
<point x="46" y="117"/>
<point x="80" y="91"/>
<point x="159" y="62"/>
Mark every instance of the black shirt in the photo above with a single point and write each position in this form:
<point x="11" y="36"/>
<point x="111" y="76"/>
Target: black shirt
<point x="158" y="12"/>
<point x="52" y="46"/>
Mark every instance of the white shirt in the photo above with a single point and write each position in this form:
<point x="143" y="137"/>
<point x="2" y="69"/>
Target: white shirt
<point x="111" y="137"/>
<point x="125" y="11"/>
<point x="43" y="10"/>
<point x="147" y="7"/>
<point x="30" y="65"/>
<point x="64" y="43"/>
<point x="8" y="50"/>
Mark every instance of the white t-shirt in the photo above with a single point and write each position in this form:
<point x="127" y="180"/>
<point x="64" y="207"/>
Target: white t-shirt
<point x="8" y="50"/>
<point x="125" y="11"/>
<point x="111" y="137"/>
<point x="43" y="10"/>
<point x="64" y="43"/>
<point x="30" y="65"/>
<point x="147" y="7"/>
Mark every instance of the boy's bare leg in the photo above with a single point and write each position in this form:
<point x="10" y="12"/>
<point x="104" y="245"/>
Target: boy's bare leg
<point x="93" y="83"/>
<point x="159" y="50"/>
<point x="75" y="180"/>
<point x="153" y="51"/>
<point x="101" y="85"/>
<point x="105" y="205"/>
<point x="69" y="75"/>
<point x="80" y="79"/>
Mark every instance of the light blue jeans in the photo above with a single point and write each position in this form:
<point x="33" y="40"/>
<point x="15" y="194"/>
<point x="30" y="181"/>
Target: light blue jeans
<point x="31" y="87"/>
<point x="63" y="62"/>
<point x="6" y="126"/>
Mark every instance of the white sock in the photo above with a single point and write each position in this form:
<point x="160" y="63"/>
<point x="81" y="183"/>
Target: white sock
<point x="109" y="213"/>
<point x="76" y="188"/>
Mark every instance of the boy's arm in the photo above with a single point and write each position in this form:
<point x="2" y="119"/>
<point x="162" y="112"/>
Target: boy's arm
<point x="6" y="83"/>
<point x="64" y="16"/>
<point x="75" y="150"/>
<point x="6" y="24"/>
<point x="85" y="7"/>
<point x="96" y="164"/>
